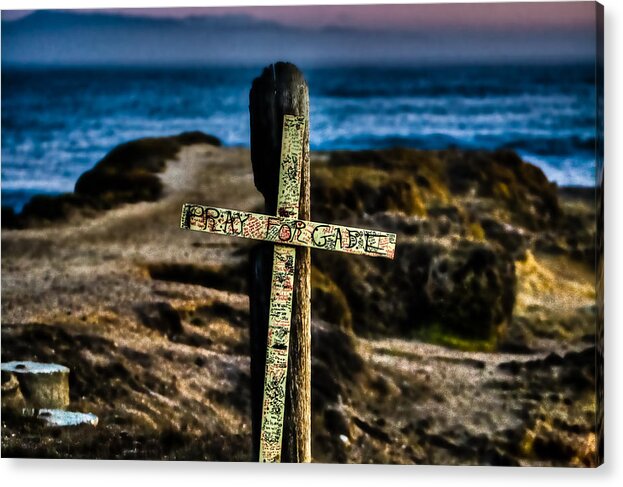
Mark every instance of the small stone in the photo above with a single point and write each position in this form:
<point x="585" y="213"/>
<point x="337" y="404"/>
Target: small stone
<point x="60" y="418"/>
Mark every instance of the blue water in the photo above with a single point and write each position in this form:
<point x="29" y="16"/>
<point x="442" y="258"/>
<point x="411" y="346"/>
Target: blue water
<point x="57" y="123"/>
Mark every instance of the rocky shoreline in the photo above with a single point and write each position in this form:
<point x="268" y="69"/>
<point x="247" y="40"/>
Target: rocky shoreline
<point x="476" y="345"/>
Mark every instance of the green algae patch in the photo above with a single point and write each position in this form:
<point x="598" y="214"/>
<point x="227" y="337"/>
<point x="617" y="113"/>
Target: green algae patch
<point x="438" y="335"/>
<point x="368" y="182"/>
<point x="341" y="191"/>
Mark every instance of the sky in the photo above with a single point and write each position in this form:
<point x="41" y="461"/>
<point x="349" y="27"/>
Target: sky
<point x="525" y="15"/>
<point x="526" y="32"/>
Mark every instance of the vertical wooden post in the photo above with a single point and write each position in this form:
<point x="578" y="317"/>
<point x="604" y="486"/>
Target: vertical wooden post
<point x="280" y="90"/>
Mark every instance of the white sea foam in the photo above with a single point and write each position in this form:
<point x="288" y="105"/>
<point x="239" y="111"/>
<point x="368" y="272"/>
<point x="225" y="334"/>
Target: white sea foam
<point x="59" y="125"/>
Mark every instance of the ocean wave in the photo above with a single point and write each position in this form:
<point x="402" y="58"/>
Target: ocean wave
<point x="59" y="123"/>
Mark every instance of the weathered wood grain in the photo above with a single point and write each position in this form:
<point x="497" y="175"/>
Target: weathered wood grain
<point x="281" y="90"/>
<point x="281" y="295"/>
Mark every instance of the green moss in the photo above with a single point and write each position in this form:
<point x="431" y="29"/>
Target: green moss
<point x="341" y="191"/>
<point x="437" y="335"/>
<point x="476" y="231"/>
<point x="501" y="190"/>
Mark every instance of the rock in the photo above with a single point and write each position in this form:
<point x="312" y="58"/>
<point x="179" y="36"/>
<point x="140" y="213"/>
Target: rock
<point x="61" y="418"/>
<point x="462" y="218"/>
<point x="439" y="225"/>
<point x="472" y="290"/>
<point x="466" y="289"/>
<point x="336" y="421"/>
<point x="330" y="304"/>
<point x="46" y="208"/>
<point x="12" y="398"/>
<point x="41" y="385"/>
<point x="368" y="182"/>
<point x="9" y="218"/>
<point x="510" y="237"/>
<point x="415" y="181"/>
<point x="399" y="222"/>
<point x="127" y="174"/>
<point x="520" y="187"/>
<point x="574" y="236"/>
<point x="162" y="317"/>
<point x="336" y="363"/>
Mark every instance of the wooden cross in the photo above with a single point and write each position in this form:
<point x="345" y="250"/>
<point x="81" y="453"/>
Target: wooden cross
<point x="286" y="231"/>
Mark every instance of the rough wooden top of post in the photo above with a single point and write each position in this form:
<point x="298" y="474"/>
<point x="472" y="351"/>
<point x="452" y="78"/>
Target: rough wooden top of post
<point x="280" y="90"/>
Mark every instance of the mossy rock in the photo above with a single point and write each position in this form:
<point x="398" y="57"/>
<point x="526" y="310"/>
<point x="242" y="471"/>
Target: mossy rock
<point x="151" y="153"/>
<point x="330" y="304"/>
<point x="115" y="188"/>
<point x="472" y="291"/>
<point x="466" y="290"/>
<point x="510" y="237"/>
<point x="47" y="208"/>
<point x="343" y="191"/>
<point x="520" y="187"/>
<point x="128" y="172"/>
<point x="355" y="183"/>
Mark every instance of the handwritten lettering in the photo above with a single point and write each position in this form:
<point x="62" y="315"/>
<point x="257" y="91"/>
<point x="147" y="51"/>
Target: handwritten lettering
<point x="242" y="222"/>
<point x="371" y="239"/>
<point x="353" y="238"/>
<point x="211" y="218"/>
<point x="317" y="237"/>
<point x="289" y="231"/>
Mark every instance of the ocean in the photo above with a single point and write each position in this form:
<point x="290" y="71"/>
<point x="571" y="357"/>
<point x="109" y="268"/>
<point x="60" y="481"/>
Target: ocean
<point x="58" y="122"/>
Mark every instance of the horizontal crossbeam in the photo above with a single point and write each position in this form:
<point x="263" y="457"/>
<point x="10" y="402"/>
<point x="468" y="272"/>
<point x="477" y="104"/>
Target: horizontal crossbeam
<point x="288" y="231"/>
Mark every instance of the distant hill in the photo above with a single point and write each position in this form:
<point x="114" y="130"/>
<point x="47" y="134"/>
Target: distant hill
<point x="55" y="37"/>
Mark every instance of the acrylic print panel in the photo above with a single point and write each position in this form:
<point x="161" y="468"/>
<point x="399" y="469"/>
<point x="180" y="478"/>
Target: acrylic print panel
<point x="471" y="131"/>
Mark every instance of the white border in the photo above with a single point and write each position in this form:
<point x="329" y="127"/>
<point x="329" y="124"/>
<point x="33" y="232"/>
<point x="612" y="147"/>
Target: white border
<point x="68" y="473"/>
